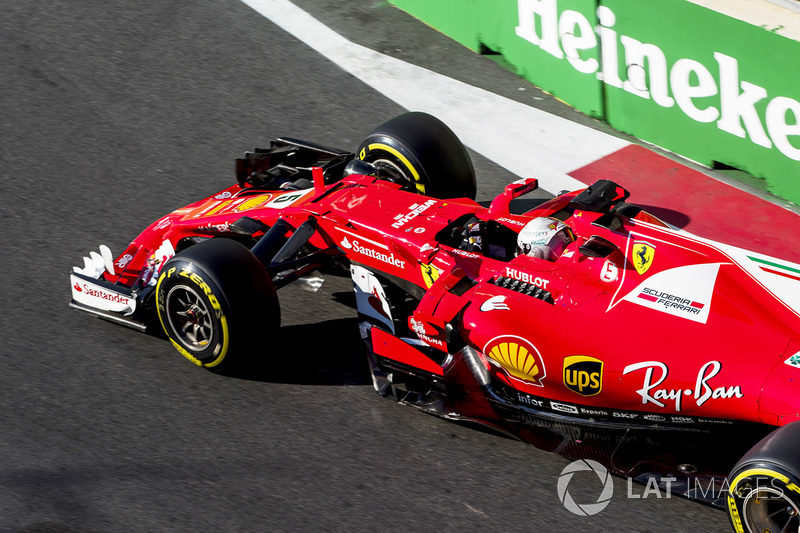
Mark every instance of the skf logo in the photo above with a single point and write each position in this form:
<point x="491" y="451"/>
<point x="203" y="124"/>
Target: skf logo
<point x="583" y="375"/>
<point x="518" y="357"/>
<point x="643" y="254"/>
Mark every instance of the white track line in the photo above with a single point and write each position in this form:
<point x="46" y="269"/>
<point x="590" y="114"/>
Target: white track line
<point x="525" y="140"/>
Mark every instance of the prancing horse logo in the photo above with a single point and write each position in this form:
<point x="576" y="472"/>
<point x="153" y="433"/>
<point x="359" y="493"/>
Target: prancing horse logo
<point x="643" y="254"/>
<point x="429" y="274"/>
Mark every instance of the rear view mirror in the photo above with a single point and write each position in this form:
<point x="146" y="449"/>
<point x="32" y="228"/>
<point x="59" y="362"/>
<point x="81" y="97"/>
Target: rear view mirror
<point x="500" y="205"/>
<point x="597" y="247"/>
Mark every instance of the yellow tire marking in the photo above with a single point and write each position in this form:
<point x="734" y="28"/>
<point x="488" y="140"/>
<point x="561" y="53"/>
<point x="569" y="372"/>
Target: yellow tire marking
<point x="758" y="472"/>
<point x="733" y="510"/>
<point x="225" y="341"/>
<point x="186" y="354"/>
<point x="386" y="148"/>
<point x="194" y="277"/>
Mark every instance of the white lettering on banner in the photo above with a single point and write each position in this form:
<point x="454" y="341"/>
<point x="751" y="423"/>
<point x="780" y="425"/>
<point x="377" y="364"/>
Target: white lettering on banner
<point x="685" y="291"/>
<point x="702" y="391"/>
<point x="511" y="221"/>
<point x="114" y="297"/>
<point x="548" y="11"/>
<point x="524" y="277"/>
<point x="99" y="297"/>
<point x="738" y="107"/>
<point x="608" y="47"/>
<point x="389" y="259"/>
<point x="414" y="210"/>
<point x="573" y="41"/>
<point x="780" y="128"/>
<point x="564" y="408"/>
<point x="680" y="81"/>
<point x="124" y="260"/>
<point x="635" y="55"/>
<point x="735" y="112"/>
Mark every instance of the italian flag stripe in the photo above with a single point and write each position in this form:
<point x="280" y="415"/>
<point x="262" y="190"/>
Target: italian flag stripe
<point x="779" y="273"/>
<point x="775" y="265"/>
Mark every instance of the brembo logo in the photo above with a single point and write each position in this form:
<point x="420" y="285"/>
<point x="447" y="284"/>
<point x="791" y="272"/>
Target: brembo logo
<point x="687" y="82"/>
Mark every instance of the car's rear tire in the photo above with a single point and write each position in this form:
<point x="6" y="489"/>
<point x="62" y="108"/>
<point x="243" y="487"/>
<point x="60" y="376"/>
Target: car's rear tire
<point x="764" y="486"/>
<point x="214" y="301"/>
<point x="420" y="152"/>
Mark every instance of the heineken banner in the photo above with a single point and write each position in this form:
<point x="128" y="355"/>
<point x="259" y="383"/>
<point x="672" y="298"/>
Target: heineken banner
<point x="707" y="86"/>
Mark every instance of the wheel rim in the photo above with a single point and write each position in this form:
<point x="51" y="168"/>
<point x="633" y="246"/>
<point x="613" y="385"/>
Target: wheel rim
<point x="189" y="318"/>
<point x="769" y="510"/>
<point x="395" y="172"/>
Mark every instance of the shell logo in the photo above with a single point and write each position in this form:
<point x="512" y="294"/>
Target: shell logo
<point x="518" y="357"/>
<point x="253" y="202"/>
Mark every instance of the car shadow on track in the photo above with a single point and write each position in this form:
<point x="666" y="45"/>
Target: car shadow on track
<point x="324" y="353"/>
<point x="670" y="216"/>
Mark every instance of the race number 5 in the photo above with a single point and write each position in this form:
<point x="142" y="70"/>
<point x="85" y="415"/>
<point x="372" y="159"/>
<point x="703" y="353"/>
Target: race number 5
<point x="610" y="272"/>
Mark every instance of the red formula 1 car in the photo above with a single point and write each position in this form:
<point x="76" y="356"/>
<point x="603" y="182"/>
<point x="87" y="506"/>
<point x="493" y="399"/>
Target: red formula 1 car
<point x="585" y="326"/>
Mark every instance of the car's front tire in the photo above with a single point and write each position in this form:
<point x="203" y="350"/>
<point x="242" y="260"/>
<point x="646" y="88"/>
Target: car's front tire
<point x="214" y="300"/>
<point x="421" y="153"/>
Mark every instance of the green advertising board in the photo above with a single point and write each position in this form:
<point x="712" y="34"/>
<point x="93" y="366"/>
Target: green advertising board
<point x="709" y="87"/>
<point x="495" y="25"/>
<point x="684" y="77"/>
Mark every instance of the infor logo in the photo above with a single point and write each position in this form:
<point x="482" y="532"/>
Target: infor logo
<point x="585" y="509"/>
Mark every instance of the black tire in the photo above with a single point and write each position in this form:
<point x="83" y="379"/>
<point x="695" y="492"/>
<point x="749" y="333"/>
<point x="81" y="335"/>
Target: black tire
<point x="423" y="154"/>
<point x="764" y="486"/>
<point x="214" y="301"/>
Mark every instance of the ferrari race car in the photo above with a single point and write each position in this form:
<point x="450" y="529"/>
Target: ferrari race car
<point x="584" y="326"/>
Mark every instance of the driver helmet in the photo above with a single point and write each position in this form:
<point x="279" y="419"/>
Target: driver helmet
<point x="544" y="238"/>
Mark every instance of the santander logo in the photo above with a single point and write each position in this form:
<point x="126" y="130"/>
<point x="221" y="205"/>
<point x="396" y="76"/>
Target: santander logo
<point x="90" y="294"/>
<point x="101" y="294"/>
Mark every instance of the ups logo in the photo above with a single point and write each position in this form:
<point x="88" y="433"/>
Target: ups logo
<point x="583" y="374"/>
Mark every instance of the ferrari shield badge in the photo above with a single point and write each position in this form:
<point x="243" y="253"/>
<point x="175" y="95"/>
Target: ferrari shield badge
<point x="429" y="274"/>
<point x="643" y="254"/>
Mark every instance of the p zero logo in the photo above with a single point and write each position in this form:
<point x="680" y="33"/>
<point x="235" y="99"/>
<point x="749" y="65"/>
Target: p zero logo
<point x="583" y="375"/>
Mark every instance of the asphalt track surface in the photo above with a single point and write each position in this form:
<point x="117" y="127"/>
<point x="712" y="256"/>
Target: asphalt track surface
<point x="114" y="113"/>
